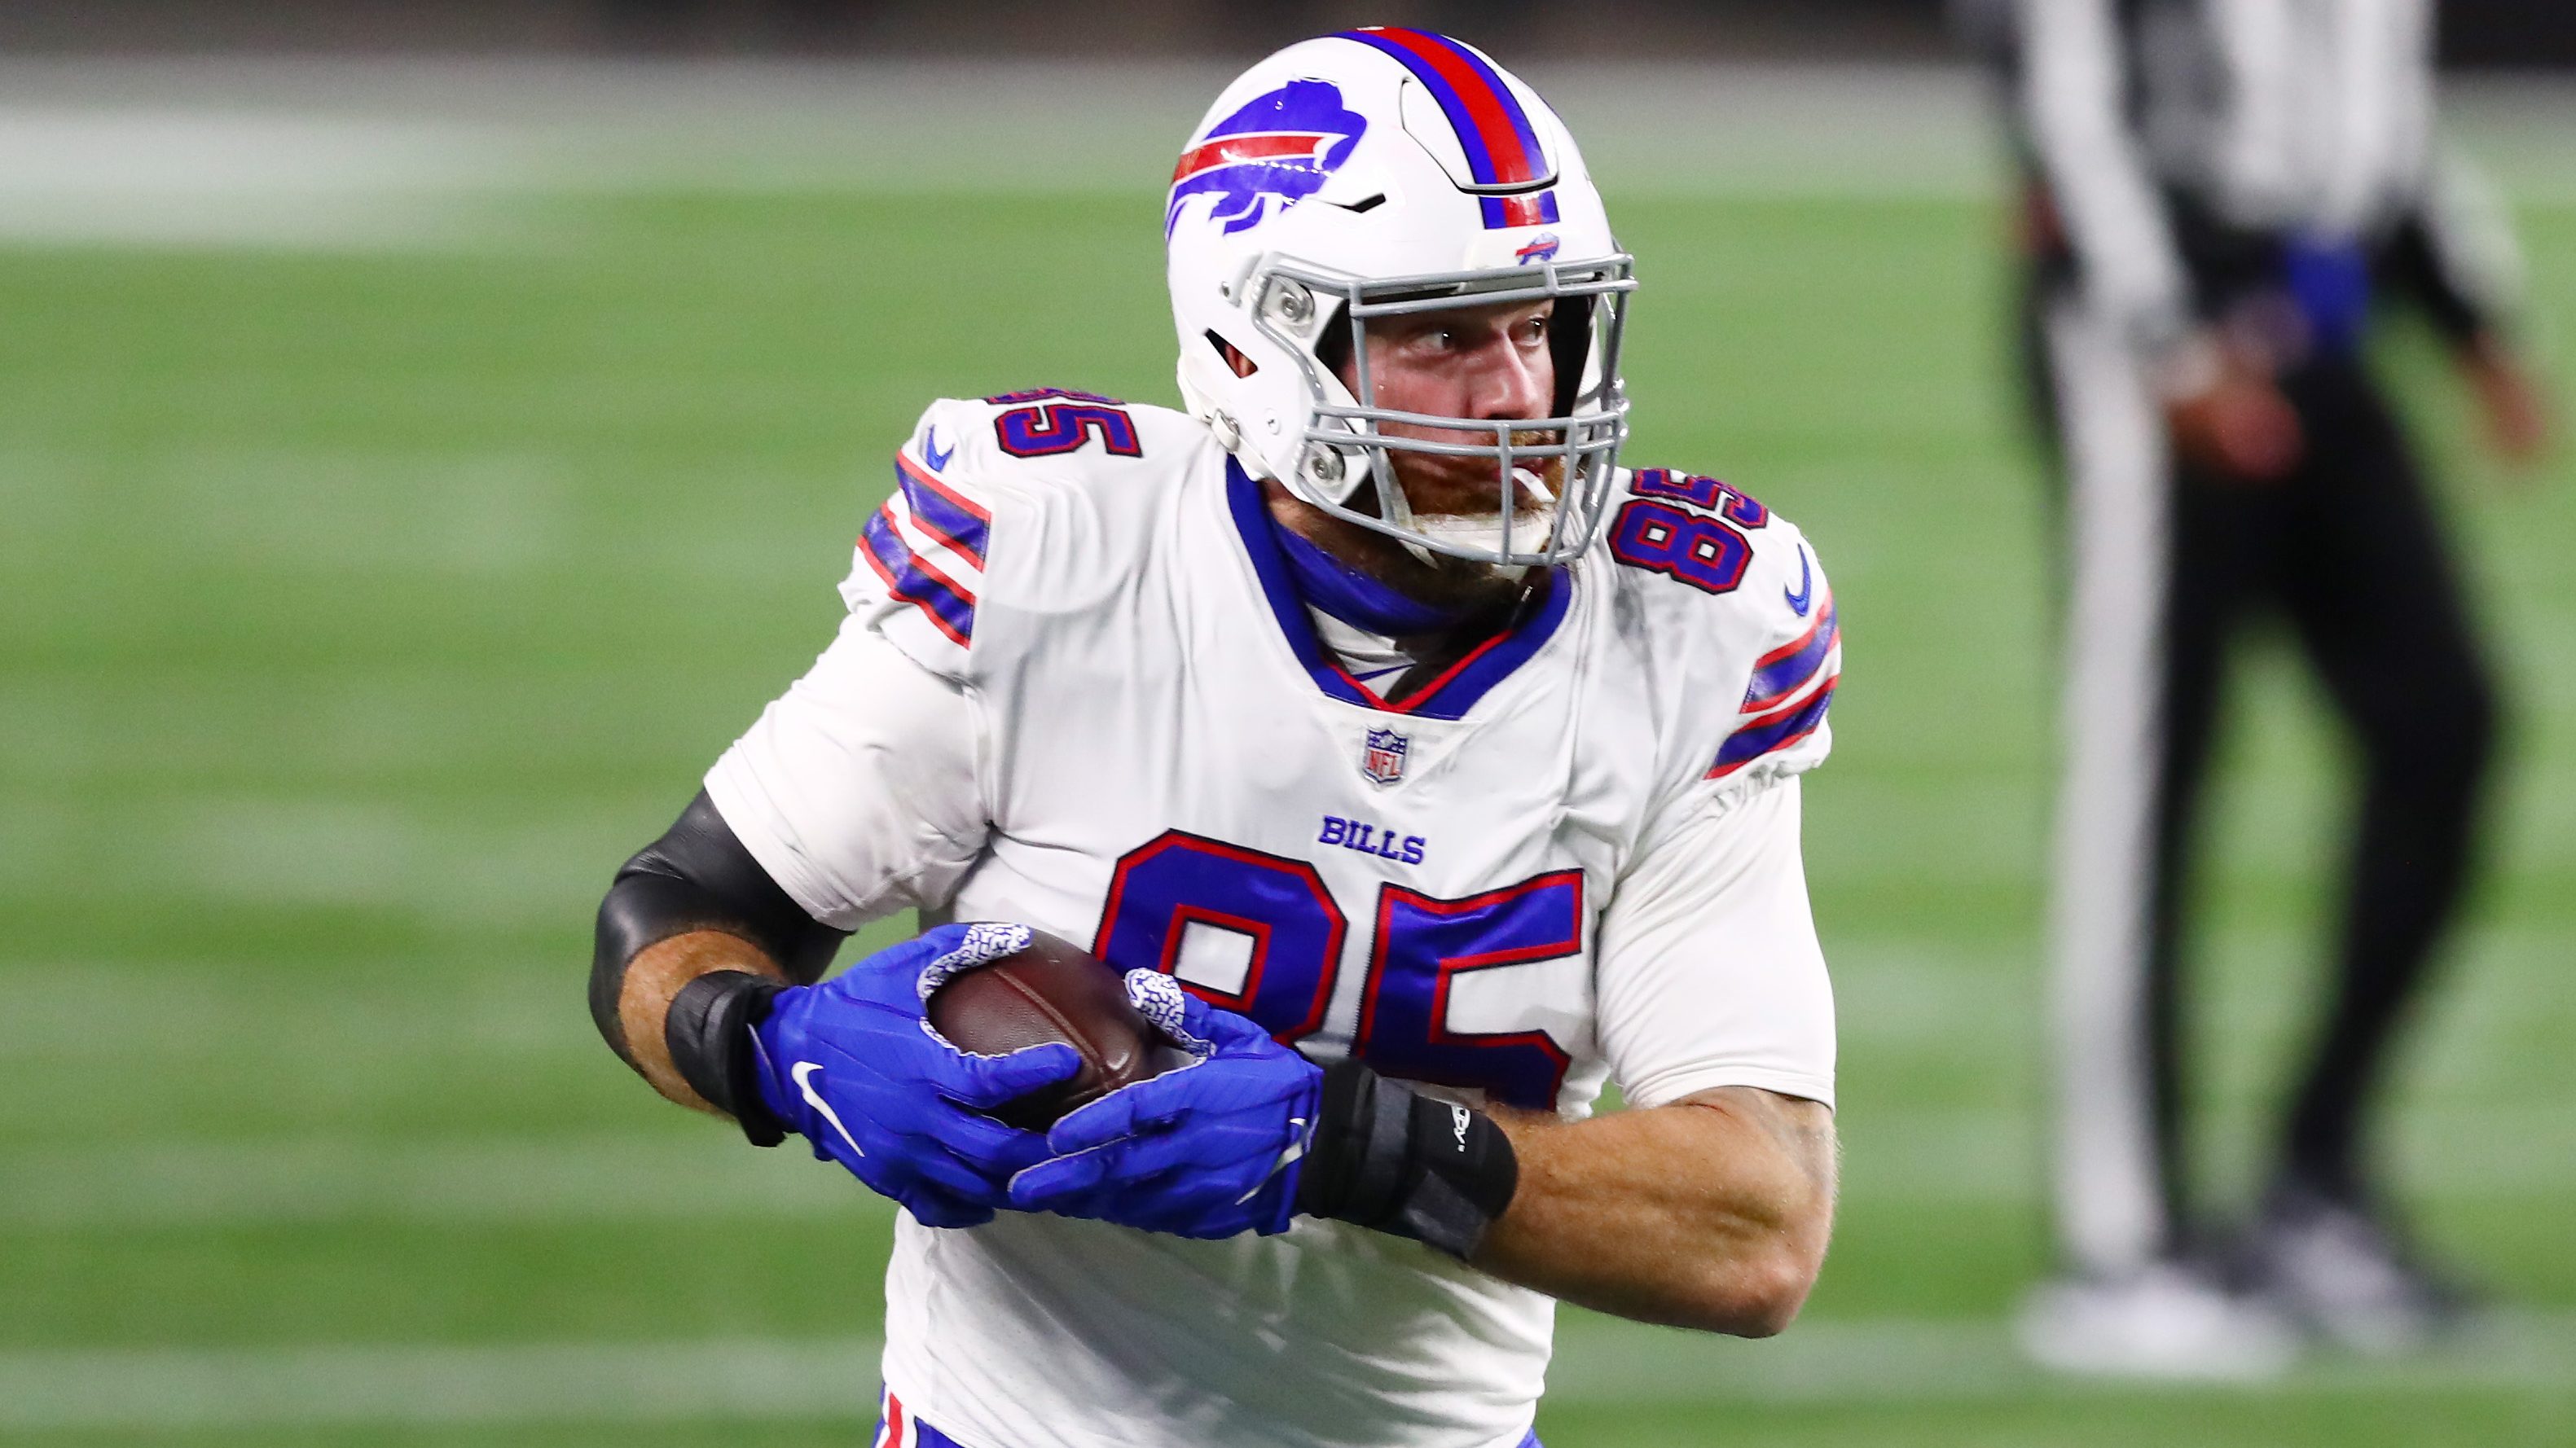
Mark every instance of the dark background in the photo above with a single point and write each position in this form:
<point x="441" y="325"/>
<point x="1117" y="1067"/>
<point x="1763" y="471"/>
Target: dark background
<point x="2475" y="33"/>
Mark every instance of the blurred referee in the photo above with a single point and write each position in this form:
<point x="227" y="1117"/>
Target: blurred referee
<point x="2220" y="194"/>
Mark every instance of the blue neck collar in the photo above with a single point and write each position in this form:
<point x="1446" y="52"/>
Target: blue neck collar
<point x="1327" y="583"/>
<point x="1458" y="688"/>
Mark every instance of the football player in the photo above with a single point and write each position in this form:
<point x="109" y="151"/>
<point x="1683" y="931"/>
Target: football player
<point x="1424" y="768"/>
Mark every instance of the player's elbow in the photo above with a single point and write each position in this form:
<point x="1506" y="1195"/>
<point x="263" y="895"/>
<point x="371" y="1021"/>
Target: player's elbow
<point x="1772" y="1299"/>
<point x="1756" y="1295"/>
<point x="1768" y="1241"/>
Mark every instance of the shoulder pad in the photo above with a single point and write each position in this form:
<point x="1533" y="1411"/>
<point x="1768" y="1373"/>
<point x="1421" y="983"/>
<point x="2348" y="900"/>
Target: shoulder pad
<point x="1739" y="590"/>
<point x="984" y="434"/>
<point x="922" y="560"/>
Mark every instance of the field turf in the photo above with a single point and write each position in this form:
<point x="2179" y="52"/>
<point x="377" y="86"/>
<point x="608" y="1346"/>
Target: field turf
<point x="360" y="610"/>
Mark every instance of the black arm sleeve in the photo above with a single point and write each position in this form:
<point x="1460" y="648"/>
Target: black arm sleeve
<point x="699" y="877"/>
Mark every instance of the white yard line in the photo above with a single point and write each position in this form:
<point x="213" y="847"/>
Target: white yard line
<point x="1908" y="1359"/>
<point x="1598" y="1362"/>
<point x="2524" y="1154"/>
<point x="479" y="1180"/>
<point x="177" y="176"/>
<point x="586" y="1382"/>
<point x="406" y="154"/>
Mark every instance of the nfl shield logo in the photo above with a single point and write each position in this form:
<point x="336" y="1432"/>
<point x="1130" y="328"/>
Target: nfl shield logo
<point x="1383" y="760"/>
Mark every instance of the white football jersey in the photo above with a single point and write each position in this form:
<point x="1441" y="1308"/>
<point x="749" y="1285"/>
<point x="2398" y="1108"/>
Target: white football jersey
<point x="1076" y="689"/>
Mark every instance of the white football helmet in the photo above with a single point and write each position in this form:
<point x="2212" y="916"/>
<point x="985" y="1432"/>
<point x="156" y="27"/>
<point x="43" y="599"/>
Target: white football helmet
<point x="1376" y="172"/>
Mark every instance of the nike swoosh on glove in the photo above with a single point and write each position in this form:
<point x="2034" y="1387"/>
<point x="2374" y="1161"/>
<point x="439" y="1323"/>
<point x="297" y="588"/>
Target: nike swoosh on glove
<point x="853" y="1066"/>
<point x="1212" y="1149"/>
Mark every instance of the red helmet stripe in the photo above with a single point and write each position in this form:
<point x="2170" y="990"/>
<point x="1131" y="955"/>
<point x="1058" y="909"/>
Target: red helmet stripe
<point x="1497" y="127"/>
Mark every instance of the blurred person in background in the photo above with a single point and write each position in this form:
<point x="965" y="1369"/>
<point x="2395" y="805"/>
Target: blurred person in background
<point x="2220" y="197"/>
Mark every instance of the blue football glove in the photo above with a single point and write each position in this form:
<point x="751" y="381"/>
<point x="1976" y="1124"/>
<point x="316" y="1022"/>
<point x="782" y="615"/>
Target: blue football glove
<point x="853" y="1067"/>
<point x="1211" y="1149"/>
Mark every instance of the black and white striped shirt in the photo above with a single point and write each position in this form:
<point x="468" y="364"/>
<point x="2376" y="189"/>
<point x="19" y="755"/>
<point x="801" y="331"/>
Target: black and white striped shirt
<point x="2165" y="135"/>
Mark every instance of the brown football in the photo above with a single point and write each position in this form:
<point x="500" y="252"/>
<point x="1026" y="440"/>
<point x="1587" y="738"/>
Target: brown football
<point x="1052" y="991"/>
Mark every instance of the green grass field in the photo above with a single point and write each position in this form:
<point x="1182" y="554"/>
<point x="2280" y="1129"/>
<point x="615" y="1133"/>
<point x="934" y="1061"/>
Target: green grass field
<point x="359" y="611"/>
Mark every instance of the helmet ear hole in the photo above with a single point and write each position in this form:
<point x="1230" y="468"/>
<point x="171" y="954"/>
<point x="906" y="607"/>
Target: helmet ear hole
<point x="1232" y="356"/>
<point x="1569" y="346"/>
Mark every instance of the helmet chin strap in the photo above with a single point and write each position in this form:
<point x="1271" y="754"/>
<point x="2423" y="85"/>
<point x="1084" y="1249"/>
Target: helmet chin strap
<point x="1484" y="531"/>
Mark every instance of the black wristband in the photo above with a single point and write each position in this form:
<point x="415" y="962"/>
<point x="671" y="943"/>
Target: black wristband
<point x="708" y="1033"/>
<point x="1387" y="1157"/>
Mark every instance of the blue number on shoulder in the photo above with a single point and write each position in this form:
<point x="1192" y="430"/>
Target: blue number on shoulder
<point x="1724" y="499"/>
<point x="1061" y="421"/>
<point x="1687" y="547"/>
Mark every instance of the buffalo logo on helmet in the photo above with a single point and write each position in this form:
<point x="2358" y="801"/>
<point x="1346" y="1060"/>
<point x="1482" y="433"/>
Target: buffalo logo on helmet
<point x="1273" y="153"/>
<point x="1382" y="757"/>
<point x="1541" y="247"/>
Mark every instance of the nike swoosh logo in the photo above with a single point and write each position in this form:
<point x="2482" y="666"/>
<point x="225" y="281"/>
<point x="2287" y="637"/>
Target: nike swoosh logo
<point x="804" y="1073"/>
<point x="1798" y="598"/>
<point x="1288" y="1156"/>
<point x="930" y="452"/>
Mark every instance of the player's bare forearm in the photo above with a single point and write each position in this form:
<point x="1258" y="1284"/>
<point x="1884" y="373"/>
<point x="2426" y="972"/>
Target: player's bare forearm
<point x="654" y="976"/>
<point x="1711" y="1212"/>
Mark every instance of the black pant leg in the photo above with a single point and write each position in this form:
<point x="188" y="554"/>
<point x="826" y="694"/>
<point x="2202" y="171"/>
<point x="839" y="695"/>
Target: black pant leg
<point x="2224" y="560"/>
<point x="2225" y="537"/>
<point x="2370" y="589"/>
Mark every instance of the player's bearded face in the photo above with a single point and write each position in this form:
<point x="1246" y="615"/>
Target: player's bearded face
<point x="1483" y="364"/>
